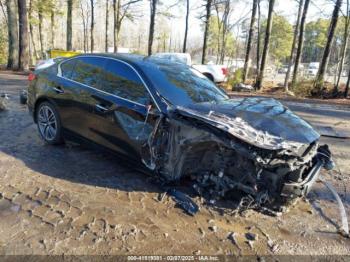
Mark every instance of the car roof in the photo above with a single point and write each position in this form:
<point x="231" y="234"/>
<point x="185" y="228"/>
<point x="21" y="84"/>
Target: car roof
<point x="137" y="61"/>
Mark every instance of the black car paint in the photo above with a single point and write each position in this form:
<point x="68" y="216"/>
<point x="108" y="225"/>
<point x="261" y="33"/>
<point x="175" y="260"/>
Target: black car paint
<point x="169" y="135"/>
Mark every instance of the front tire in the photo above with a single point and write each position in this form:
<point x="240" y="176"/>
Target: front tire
<point x="49" y="124"/>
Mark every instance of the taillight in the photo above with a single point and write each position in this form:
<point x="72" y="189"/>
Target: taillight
<point x="224" y="71"/>
<point x="31" y="77"/>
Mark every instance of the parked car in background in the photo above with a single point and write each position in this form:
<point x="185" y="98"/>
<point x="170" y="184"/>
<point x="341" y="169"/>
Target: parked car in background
<point x="176" y="123"/>
<point x="313" y="69"/>
<point x="215" y="73"/>
<point x="284" y="69"/>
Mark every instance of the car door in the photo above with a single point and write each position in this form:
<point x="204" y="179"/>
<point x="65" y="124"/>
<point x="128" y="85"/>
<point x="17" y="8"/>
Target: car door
<point x="76" y="107"/>
<point x="122" y="118"/>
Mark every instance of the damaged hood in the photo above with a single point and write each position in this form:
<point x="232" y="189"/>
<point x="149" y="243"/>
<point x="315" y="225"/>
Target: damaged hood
<point x="261" y="122"/>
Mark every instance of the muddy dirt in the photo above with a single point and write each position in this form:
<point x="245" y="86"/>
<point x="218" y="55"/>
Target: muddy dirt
<point x="73" y="200"/>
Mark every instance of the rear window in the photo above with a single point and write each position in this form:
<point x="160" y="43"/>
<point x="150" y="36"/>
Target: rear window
<point x="88" y="70"/>
<point x="67" y="68"/>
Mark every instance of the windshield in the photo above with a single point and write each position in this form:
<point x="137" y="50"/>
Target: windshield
<point x="182" y="85"/>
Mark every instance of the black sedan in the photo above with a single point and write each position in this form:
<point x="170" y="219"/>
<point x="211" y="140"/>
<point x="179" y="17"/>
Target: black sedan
<point x="177" y="123"/>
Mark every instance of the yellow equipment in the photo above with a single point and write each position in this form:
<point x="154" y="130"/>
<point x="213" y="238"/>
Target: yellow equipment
<point x="61" y="53"/>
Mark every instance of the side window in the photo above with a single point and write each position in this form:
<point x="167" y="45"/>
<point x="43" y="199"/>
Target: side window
<point x="119" y="79"/>
<point x="67" y="68"/>
<point x="88" y="70"/>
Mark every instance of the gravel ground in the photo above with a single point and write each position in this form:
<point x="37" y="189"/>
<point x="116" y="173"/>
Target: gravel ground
<point x="72" y="200"/>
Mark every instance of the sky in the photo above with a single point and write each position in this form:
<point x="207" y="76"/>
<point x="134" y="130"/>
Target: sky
<point x="242" y="9"/>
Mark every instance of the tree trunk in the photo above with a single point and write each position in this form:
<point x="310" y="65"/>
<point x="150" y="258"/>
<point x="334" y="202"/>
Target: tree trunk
<point x="41" y="35"/>
<point x="346" y="93"/>
<point x="31" y="31"/>
<point x="69" y="24"/>
<point x="325" y="58"/>
<point x="344" y="47"/>
<point x="249" y="43"/>
<point x="117" y="23"/>
<point x="84" y="27"/>
<point x="186" y="26"/>
<point x="52" y="15"/>
<point x="92" y="43"/>
<point x="12" y="61"/>
<point x="300" y="43"/>
<point x="206" y="30"/>
<point x="153" y="5"/>
<point x="266" y="44"/>
<point x="258" y="42"/>
<point x="295" y="38"/>
<point x="106" y="33"/>
<point x="23" y="36"/>
<point x="225" y="24"/>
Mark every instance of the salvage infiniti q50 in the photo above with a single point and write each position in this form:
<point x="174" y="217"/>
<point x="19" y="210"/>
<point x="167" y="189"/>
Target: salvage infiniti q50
<point x="177" y="123"/>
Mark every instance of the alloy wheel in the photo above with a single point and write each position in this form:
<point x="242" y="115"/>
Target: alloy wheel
<point x="47" y="123"/>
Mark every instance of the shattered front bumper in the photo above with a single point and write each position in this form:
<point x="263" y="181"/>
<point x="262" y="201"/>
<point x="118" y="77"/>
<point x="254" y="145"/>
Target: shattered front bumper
<point x="300" y="189"/>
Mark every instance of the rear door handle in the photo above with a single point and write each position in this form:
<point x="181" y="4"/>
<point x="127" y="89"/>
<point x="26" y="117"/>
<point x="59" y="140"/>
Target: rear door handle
<point x="58" y="90"/>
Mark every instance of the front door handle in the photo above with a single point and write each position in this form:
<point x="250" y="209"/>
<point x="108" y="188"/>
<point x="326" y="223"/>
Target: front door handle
<point x="58" y="90"/>
<point x="101" y="108"/>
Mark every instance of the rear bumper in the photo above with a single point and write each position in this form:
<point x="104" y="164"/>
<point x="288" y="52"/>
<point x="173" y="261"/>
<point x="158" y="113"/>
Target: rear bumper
<point x="300" y="189"/>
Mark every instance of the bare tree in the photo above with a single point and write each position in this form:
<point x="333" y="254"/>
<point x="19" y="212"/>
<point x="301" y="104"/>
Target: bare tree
<point x="266" y="44"/>
<point x="258" y="41"/>
<point x="23" y="35"/>
<point x="92" y="25"/>
<point x="52" y="17"/>
<point x="12" y="61"/>
<point x="31" y="31"/>
<point x="41" y="34"/>
<point x="153" y="6"/>
<point x="3" y="11"/>
<point x="121" y="10"/>
<point x="206" y="29"/>
<point x="106" y="26"/>
<point x="300" y="43"/>
<point x="325" y="58"/>
<point x="294" y="45"/>
<point x="250" y="38"/>
<point x="225" y="29"/>
<point x="346" y="93"/>
<point x="84" y="16"/>
<point x="186" y="26"/>
<point x="69" y="24"/>
<point x="344" y="47"/>
<point x="116" y="12"/>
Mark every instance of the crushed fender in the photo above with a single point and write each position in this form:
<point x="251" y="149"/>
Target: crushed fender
<point x="236" y="148"/>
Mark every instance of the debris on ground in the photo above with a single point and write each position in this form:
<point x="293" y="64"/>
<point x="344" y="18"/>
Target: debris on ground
<point x="344" y="229"/>
<point x="232" y="237"/>
<point x="214" y="228"/>
<point x="184" y="201"/>
<point x="251" y="236"/>
<point x="3" y="97"/>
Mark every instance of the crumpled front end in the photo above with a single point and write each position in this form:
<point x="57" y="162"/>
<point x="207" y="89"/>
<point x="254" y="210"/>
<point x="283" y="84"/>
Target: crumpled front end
<point x="222" y="165"/>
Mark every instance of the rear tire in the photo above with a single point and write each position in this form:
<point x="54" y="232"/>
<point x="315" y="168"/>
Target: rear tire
<point x="23" y="97"/>
<point x="49" y="124"/>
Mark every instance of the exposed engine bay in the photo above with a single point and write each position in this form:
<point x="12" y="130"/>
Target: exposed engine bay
<point x="224" y="156"/>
